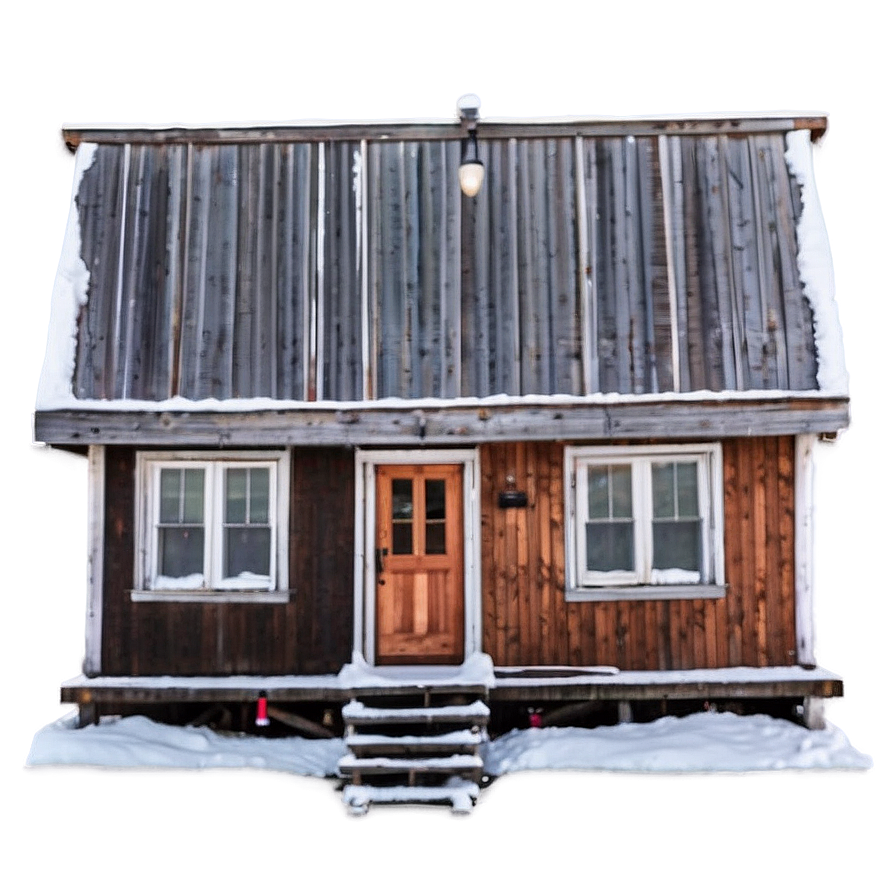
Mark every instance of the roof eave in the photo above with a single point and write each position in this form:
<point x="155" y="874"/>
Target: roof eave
<point x="441" y="424"/>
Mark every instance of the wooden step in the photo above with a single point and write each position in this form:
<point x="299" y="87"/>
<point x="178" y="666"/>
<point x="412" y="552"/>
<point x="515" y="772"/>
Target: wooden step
<point x="356" y="713"/>
<point x="456" y="764"/>
<point x="461" y="741"/>
<point x="461" y="795"/>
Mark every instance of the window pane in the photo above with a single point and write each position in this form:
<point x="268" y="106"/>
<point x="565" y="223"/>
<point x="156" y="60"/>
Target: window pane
<point x="181" y="550"/>
<point x="259" y="494"/>
<point x="676" y="545"/>
<point x="435" y="499"/>
<point x="402" y="499"/>
<point x="236" y="489"/>
<point x="663" y="491"/>
<point x="435" y="538"/>
<point x="247" y="551"/>
<point x="609" y="546"/>
<point x="688" y="505"/>
<point x="194" y="496"/>
<point x="621" y="492"/>
<point x="169" y="501"/>
<point x="402" y="538"/>
<point x="598" y="493"/>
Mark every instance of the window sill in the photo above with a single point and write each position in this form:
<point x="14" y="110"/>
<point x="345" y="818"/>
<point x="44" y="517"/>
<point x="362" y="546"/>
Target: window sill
<point x="647" y="592"/>
<point x="211" y="597"/>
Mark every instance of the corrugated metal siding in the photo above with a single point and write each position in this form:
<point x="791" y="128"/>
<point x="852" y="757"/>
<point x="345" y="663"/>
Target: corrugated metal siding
<point x="342" y="270"/>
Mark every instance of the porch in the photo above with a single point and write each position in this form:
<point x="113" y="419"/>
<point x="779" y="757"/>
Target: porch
<point x="500" y="688"/>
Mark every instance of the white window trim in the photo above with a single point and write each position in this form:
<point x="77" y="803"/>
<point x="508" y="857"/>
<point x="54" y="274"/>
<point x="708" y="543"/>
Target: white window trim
<point x="583" y="585"/>
<point x="218" y="588"/>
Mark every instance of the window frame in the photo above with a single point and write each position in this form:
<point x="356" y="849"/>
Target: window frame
<point x="641" y="583"/>
<point x="216" y="585"/>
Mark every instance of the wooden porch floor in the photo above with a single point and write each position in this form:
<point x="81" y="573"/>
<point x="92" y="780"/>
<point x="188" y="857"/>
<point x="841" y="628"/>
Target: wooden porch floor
<point x="508" y="684"/>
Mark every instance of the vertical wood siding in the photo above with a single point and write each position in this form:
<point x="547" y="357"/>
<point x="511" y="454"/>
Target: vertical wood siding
<point x="311" y="634"/>
<point x="414" y="268"/>
<point x="526" y="620"/>
<point x="258" y="270"/>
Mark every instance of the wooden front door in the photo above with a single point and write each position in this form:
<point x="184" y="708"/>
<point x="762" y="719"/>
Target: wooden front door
<point x="419" y="564"/>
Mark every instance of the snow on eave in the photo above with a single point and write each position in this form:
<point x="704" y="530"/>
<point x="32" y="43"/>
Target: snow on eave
<point x="816" y="268"/>
<point x="262" y="403"/>
<point x="69" y="295"/>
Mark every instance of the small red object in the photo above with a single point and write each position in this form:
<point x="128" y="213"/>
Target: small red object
<point x="535" y="719"/>
<point x="261" y="714"/>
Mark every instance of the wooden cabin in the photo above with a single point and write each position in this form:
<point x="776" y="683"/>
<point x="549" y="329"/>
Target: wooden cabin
<point x="339" y="415"/>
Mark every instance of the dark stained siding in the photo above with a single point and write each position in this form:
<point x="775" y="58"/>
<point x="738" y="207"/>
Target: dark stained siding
<point x="321" y="549"/>
<point x="119" y="656"/>
<point x="526" y="620"/>
<point x="310" y="634"/>
<point x="605" y="264"/>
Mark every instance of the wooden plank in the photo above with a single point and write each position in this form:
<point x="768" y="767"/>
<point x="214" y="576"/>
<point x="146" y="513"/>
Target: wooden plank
<point x="487" y="550"/>
<point x="74" y="135"/>
<point x="763" y="467"/>
<point x="785" y="646"/>
<point x="118" y="642"/>
<point x="557" y="584"/>
<point x="729" y="649"/>
<point x="526" y="533"/>
<point x="547" y="610"/>
<point x="446" y="425"/>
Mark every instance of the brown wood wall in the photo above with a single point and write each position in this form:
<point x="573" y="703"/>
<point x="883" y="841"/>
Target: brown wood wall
<point x="311" y="634"/>
<point x="526" y="620"/>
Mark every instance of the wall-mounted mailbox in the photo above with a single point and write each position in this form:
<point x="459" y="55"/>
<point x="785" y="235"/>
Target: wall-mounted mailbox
<point x="512" y="499"/>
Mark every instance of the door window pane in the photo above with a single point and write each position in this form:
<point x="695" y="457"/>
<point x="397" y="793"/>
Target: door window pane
<point x="435" y="516"/>
<point x="402" y="516"/>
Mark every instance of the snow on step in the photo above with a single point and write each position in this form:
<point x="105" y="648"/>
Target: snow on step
<point x="391" y="764"/>
<point x="416" y="742"/>
<point x="356" y="712"/>
<point x="460" y="794"/>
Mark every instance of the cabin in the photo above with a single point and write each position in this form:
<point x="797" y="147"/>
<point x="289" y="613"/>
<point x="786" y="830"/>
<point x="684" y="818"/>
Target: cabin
<point x="375" y="448"/>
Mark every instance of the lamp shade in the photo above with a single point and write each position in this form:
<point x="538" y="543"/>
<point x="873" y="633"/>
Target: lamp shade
<point x="471" y="169"/>
<point x="471" y="174"/>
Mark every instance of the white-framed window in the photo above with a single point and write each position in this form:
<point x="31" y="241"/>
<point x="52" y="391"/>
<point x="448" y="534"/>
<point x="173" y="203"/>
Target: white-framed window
<point x="212" y="526"/>
<point x="644" y="522"/>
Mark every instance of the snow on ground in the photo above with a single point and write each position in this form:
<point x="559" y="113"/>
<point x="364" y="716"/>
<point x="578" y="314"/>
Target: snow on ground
<point x="136" y="741"/>
<point x="698" y="743"/>
<point x="703" y="742"/>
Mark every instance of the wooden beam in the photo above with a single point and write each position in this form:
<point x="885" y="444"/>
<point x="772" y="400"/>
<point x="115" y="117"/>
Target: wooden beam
<point x="300" y="723"/>
<point x="96" y="519"/>
<point x="695" y="690"/>
<point x="379" y="131"/>
<point x="449" y="424"/>
<point x="803" y="548"/>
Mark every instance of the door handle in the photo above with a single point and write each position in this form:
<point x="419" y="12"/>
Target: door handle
<point x="380" y="554"/>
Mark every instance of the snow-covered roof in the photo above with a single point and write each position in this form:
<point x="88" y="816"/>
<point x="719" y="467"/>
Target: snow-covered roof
<point x="265" y="266"/>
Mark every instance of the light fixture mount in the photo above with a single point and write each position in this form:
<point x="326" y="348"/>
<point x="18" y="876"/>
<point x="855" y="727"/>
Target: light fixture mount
<point x="471" y="171"/>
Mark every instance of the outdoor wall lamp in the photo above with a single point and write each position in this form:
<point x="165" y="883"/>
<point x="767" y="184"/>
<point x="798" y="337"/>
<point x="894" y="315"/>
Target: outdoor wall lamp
<point x="471" y="169"/>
